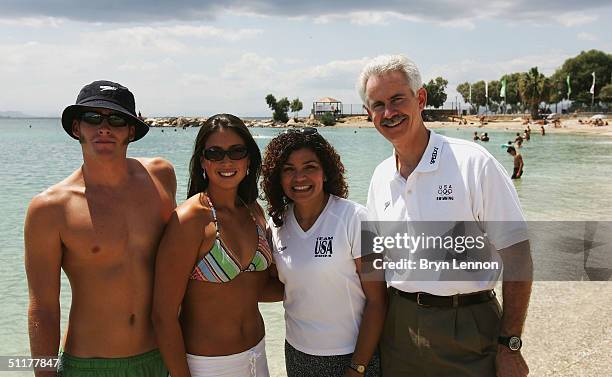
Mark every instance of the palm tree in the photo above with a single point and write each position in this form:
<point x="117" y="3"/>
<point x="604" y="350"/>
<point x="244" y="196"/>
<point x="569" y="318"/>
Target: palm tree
<point x="534" y="88"/>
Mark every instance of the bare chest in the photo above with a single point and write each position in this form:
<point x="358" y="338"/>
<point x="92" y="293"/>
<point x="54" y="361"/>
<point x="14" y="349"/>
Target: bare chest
<point x="109" y="229"/>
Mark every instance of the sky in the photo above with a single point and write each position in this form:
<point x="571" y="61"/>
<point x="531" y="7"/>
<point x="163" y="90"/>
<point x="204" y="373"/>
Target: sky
<point x="198" y="58"/>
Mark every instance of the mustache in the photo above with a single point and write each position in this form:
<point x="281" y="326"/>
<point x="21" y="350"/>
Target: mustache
<point x="396" y="119"/>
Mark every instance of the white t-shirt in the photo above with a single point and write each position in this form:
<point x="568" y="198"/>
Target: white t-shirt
<point x="456" y="180"/>
<point x="323" y="300"/>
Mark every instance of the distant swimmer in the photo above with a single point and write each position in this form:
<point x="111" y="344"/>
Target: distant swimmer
<point x="518" y="143"/>
<point x="518" y="138"/>
<point x="542" y="130"/>
<point x="102" y="226"/>
<point x="527" y="134"/>
<point x="518" y="163"/>
<point x="476" y="138"/>
<point x="484" y="137"/>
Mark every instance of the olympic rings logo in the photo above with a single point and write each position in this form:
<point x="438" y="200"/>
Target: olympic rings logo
<point x="445" y="190"/>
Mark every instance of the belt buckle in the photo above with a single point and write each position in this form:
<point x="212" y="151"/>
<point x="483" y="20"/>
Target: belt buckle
<point x="418" y="300"/>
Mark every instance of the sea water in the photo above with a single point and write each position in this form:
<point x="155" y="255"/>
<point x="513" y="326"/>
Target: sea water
<point x="566" y="177"/>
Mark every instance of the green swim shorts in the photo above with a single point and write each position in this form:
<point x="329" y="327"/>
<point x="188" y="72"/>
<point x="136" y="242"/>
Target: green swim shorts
<point x="149" y="364"/>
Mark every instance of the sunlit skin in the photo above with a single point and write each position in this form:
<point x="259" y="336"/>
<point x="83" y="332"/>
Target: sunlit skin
<point x="102" y="141"/>
<point x="396" y="113"/>
<point x="216" y="319"/>
<point x="302" y="180"/>
<point x="225" y="139"/>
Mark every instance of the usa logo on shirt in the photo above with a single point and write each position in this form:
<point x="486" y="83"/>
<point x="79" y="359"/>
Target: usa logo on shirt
<point x="323" y="247"/>
<point x="445" y="192"/>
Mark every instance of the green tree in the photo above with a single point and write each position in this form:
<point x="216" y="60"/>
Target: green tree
<point x="580" y="69"/>
<point x="464" y="90"/>
<point x="605" y="95"/>
<point x="534" y="88"/>
<point x="494" y="88"/>
<point x="435" y="92"/>
<point x="512" y="91"/>
<point x="328" y="119"/>
<point x="279" y="108"/>
<point x="478" y="94"/>
<point x="296" y="106"/>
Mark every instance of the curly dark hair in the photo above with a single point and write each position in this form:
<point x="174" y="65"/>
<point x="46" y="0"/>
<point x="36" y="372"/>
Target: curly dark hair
<point x="277" y="153"/>
<point x="247" y="190"/>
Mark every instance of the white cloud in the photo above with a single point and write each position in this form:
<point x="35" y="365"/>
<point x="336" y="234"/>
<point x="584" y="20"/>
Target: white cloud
<point x="584" y="36"/>
<point x="570" y="19"/>
<point x="33" y="22"/>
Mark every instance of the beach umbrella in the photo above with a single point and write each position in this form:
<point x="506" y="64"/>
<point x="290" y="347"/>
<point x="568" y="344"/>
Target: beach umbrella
<point x="598" y="116"/>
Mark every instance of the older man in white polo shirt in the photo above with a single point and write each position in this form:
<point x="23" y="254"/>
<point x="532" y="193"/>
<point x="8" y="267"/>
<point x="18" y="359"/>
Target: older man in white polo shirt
<point x="444" y="328"/>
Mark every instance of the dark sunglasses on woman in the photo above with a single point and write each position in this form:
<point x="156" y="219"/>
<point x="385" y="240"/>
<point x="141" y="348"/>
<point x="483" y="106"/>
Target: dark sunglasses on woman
<point x="237" y="152"/>
<point x="113" y="120"/>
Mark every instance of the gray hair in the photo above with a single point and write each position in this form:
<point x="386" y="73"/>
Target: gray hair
<point x="389" y="63"/>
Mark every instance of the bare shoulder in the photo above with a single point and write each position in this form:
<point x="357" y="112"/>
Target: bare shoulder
<point x="50" y="204"/>
<point x="162" y="169"/>
<point x="157" y="166"/>
<point x="194" y="212"/>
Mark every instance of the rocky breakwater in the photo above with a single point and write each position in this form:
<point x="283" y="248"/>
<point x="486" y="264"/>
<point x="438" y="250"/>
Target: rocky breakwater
<point x="184" y="122"/>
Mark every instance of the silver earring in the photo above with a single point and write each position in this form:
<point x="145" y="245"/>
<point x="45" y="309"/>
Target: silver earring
<point x="204" y="173"/>
<point x="247" y="171"/>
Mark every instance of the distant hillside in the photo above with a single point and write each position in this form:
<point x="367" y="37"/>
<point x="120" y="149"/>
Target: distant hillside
<point x="14" y="114"/>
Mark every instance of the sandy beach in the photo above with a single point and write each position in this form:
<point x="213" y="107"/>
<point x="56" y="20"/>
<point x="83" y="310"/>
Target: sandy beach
<point x="570" y="125"/>
<point x="568" y="331"/>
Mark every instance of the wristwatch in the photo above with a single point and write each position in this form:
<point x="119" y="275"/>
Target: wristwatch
<point x="513" y="342"/>
<point x="359" y="368"/>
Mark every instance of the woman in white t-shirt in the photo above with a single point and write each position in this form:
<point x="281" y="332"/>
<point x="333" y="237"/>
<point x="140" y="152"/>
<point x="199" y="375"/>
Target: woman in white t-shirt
<point x="333" y="316"/>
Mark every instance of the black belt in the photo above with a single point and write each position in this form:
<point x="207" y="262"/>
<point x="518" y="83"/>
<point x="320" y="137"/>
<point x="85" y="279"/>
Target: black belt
<point x="426" y="299"/>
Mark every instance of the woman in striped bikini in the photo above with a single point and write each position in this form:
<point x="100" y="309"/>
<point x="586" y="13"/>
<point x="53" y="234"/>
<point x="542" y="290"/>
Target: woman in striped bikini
<point x="213" y="261"/>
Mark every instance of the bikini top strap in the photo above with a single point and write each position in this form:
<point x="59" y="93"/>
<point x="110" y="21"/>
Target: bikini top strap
<point x="250" y="212"/>
<point x="214" y="215"/>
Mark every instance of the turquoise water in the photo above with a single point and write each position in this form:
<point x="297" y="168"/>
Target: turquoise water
<point x="567" y="177"/>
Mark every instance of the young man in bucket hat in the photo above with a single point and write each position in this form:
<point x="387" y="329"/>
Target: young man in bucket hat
<point x="101" y="225"/>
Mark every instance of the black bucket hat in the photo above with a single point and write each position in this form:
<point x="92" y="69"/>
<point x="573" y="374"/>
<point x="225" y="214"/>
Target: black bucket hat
<point x="105" y="95"/>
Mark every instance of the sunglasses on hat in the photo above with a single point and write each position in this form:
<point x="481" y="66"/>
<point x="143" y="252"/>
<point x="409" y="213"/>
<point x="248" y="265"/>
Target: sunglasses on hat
<point x="234" y="153"/>
<point x="113" y="120"/>
<point x="303" y="131"/>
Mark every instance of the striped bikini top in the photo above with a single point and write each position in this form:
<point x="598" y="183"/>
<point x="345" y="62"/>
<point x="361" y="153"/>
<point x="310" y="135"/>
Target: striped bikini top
<point x="221" y="265"/>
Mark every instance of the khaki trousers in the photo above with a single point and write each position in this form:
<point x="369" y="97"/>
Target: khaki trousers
<point x="432" y="341"/>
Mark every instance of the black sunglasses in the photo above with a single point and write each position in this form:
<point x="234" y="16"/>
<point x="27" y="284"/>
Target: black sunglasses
<point x="234" y="153"/>
<point x="114" y="120"/>
<point x="303" y="131"/>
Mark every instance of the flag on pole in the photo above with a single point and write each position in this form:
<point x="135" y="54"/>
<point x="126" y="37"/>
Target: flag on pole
<point x="569" y="86"/>
<point x="470" y="93"/>
<point x="502" y="92"/>
<point x="592" y="91"/>
<point x="486" y="90"/>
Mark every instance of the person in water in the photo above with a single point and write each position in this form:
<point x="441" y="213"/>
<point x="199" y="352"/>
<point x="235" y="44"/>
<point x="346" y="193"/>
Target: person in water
<point x="518" y="163"/>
